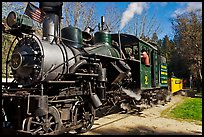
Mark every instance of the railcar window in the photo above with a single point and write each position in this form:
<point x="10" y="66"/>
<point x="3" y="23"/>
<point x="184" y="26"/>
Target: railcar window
<point x="136" y="51"/>
<point x="128" y="52"/>
<point x="177" y="81"/>
<point x="132" y="52"/>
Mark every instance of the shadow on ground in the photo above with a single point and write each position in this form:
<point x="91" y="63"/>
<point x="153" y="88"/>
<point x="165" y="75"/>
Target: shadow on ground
<point x="140" y="130"/>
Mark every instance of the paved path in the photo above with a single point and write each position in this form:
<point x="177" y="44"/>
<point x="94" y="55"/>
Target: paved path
<point x="148" y="122"/>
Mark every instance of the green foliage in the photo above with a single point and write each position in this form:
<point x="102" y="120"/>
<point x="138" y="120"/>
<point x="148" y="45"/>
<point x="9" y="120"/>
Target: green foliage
<point x="188" y="40"/>
<point x="8" y="39"/>
<point x="183" y="52"/>
<point x="167" y="48"/>
<point x="154" y="37"/>
<point x="191" y="109"/>
<point x="6" y="42"/>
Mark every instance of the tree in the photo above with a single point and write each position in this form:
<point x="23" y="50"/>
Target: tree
<point x="154" y="37"/>
<point x="79" y="14"/>
<point x="7" y="39"/>
<point x="167" y="48"/>
<point x="188" y="36"/>
<point x="112" y="17"/>
<point x="144" y="26"/>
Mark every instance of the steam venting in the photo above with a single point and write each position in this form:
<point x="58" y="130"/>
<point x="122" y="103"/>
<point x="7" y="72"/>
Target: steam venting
<point x="133" y="8"/>
<point x="130" y="93"/>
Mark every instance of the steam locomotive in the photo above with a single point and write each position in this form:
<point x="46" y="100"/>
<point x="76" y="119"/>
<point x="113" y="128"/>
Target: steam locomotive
<point x="62" y="78"/>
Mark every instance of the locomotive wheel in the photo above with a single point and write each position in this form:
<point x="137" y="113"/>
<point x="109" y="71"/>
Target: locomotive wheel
<point x="40" y="125"/>
<point x="86" y="114"/>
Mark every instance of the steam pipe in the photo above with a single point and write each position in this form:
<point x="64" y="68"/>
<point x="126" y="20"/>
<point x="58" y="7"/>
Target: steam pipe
<point x="77" y="65"/>
<point x="119" y="44"/>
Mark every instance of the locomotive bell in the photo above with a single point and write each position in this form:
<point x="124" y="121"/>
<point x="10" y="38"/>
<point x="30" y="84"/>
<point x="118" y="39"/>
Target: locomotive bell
<point x="86" y="34"/>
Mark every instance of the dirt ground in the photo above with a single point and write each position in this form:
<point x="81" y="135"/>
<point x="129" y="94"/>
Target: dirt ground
<point x="148" y="122"/>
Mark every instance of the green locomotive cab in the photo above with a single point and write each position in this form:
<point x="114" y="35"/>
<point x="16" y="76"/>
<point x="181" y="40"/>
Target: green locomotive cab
<point x="147" y="73"/>
<point x="145" y="67"/>
<point x="154" y="71"/>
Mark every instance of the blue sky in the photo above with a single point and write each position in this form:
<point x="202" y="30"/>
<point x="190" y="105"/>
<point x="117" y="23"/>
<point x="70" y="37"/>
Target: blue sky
<point x="164" y="10"/>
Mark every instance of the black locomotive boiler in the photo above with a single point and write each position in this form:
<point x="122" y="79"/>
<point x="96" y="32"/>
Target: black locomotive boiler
<point x="64" y="76"/>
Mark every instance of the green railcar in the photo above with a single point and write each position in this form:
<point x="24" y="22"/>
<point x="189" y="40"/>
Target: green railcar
<point x="151" y="76"/>
<point x="163" y="73"/>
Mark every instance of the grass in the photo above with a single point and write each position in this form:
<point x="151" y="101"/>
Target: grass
<point x="190" y="109"/>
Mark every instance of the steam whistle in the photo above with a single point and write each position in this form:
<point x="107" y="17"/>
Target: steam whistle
<point x="102" y="22"/>
<point x="102" y="25"/>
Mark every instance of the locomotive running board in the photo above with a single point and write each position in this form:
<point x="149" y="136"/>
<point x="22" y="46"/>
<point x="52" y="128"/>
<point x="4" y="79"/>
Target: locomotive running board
<point x="85" y="74"/>
<point x="52" y="82"/>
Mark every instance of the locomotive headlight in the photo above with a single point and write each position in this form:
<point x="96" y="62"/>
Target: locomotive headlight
<point x="12" y="19"/>
<point x="16" y="20"/>
<point x="16" y="60"/>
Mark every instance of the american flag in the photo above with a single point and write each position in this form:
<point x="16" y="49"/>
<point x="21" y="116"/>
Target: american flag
<point x="35" y="13"/>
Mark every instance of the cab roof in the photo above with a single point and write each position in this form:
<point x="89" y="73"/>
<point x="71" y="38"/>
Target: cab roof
<point x="127" y="40"/>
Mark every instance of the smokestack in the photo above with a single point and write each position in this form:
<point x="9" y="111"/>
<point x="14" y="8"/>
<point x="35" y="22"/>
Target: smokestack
<point x="133" y="8"/>
<point x="51" y="24"/>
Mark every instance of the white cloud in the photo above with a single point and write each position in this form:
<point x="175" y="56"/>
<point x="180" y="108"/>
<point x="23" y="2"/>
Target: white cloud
<point x="189" y="6"/>
<point x="133" y="8"/>
<point x="193" y="6"/>
<point x="178" y="12"/>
